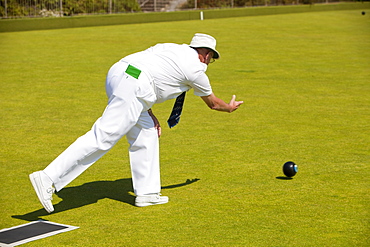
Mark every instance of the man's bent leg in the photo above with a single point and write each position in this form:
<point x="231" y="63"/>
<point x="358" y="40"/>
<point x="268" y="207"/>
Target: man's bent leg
<point x="144" y="156"/>
<point x="144" y="160"/>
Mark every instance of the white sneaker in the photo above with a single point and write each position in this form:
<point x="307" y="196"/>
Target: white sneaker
<point x="150" y="199"/>
<point x="44" y="189"/>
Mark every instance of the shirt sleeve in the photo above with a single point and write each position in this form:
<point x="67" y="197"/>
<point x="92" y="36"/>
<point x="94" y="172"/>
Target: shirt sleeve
<point x="201" y="85"/>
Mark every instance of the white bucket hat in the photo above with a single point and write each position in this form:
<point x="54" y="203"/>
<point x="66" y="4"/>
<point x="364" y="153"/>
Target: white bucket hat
<point x="201" y="40"/>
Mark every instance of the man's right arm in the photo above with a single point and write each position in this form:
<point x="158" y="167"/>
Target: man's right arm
<point x="219" y="105"/>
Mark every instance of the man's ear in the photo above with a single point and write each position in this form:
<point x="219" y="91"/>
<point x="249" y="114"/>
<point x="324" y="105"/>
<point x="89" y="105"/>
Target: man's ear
<point x="201" y="57"/>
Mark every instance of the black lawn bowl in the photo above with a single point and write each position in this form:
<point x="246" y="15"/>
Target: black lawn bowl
<point x="290" y="169"/>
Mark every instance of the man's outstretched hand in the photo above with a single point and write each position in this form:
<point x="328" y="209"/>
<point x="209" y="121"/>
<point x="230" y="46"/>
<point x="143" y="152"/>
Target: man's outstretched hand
<point x="218" y="104"/>
<point x="235" y="104"/>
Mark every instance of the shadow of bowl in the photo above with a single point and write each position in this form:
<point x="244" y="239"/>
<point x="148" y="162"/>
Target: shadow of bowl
<point x="284" y="178"/>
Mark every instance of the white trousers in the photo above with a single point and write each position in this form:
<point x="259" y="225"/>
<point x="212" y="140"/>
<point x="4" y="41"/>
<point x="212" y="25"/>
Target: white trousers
<point x="125" y="114"/>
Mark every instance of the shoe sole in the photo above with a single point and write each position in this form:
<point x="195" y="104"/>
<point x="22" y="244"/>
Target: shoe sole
<point x="145" y="204"/>
<point x="148" y="204"/>
<point x="33" y="178"/>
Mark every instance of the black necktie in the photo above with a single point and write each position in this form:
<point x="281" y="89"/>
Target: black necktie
<point x="176" y="110"/>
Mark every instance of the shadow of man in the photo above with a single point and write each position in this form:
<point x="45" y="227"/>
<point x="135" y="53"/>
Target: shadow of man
<point x="92" y="192"/>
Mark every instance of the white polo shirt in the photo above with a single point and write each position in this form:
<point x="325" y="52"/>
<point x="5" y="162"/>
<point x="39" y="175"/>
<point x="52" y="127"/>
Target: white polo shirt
<point x="174" y="69"/>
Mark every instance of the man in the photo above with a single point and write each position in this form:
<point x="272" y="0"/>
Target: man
<point x="133" y="85"/>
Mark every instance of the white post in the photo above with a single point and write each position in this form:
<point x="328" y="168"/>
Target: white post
<point x="61" y="7"/>
<point x="201" y="15"/>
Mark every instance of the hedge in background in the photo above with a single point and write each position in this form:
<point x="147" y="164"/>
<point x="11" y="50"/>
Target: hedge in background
<point x="13" y="25"/>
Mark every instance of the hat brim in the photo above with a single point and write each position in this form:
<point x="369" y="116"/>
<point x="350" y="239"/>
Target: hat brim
<point x="216" y="54"/>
